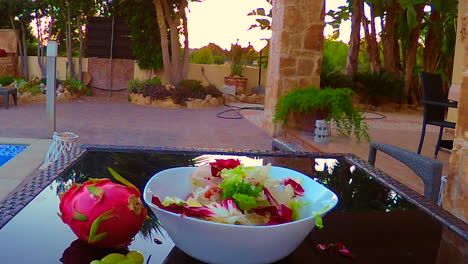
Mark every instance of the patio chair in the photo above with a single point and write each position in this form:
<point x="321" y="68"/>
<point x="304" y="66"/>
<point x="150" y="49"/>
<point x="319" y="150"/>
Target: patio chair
<point x="6" y="92"/>
<point x="429" y="170"/>
<point x="435" y="107"/>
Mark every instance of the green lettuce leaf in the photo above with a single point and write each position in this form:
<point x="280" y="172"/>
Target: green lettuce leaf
<point x="173" y="200"/>
<point x="245" y="202"/>
<point x="296" y="205"/>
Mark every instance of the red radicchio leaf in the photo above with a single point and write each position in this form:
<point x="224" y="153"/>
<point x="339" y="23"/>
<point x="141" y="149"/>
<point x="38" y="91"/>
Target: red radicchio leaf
<point x="270" y="197"/>
<point x="341" y="249"/>
<point x="277" y="216"/>
<point x="265" y="210"/>
<point x="284" y="216"/>
<point x="321" y="247"/>
<point x="344" y="251"/>
<point x="184" y="210"/>
<point x="298" y="190"/>
<point x="221" y="164"/>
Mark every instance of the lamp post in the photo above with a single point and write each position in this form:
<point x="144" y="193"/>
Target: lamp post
<point x="51" y="85"/>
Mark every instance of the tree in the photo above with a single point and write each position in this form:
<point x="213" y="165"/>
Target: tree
<point x="354" y="39"/>
<point x="145" y="36"/>
<point x="264" y="23"/>
<point x="18" y="15"/>
<point x="390" y="44"/>
<point x="172" y="21"/>
<point x="440" y="37"/>
<point x="371" y="37"/>
<point x="202" y="56"/>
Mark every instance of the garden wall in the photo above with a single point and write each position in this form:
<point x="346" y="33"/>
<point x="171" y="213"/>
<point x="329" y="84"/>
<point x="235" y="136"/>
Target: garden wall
<point x="214" y="73"/>
<point x="35" y="71"/>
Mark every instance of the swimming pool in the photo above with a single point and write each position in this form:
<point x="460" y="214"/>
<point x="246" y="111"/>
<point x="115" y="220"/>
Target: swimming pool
<point x="7" y="152"/>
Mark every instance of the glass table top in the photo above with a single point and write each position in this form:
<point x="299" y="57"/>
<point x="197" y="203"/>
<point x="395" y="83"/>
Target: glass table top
<point x="373" y="221"/>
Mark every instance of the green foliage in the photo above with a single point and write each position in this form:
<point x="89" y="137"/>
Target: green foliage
<point x="33" y="88"/>
<point x="336" y="102"/>
<point x="145" y="37"/>
<point x="185" y="90"/>
<point x="202" y="56"/>
<point x="239" y="57"/>
<point x="6" y="80"/>
<point x="154" y="81"/>
<point x="264" y="23"/>
<point x="378" y="87"/>
<point x="87" y="91"/>
<point x="335" y="54"/>
<point x="330" y="77"/>
<point x="135" y="85"/>
<point x="73" y="86"/>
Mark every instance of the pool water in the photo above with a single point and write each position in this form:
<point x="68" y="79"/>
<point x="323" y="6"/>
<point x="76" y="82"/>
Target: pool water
<point x="7" y="152"/>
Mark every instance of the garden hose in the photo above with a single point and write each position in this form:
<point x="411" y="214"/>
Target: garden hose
<point x="236" y="109"/>
<point x="237" y="115"/>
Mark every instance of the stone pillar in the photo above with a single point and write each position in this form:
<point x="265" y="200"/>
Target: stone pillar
<point x="456" y="192"/>
<point x="8" y="42"/>
<point x="295" y="52"/>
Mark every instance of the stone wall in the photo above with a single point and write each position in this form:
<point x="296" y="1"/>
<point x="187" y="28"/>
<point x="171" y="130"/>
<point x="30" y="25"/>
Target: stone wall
<point x="456" y="193"/>
<point x="8" y="65"/>
<point x="295" y="52"/>
<point x="8" y="42"/>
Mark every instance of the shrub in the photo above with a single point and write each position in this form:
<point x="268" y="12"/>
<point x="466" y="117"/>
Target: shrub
<point x="335" y="79"/>
<point x="87" y="91"/>
<point x="135" y="86"/>
<point x="184" y="91"/>
<point x="202" y="56"/>
<point x="336" y="102"/>
<point x="73" y="86"/>
<point x="29" y="87"/>
<point x="158" y="92"/>
<point x="377" y="87"/>
<point x="6" y="80"/>
<point x="154" y="81"/>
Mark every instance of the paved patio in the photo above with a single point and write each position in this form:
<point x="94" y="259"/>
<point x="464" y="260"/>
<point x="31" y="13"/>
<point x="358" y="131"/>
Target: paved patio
<point x="118" y="122"/>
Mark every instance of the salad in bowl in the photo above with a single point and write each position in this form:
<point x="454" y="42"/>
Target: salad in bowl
<point x="228" y="192"/>
<point x="220" y="211"/>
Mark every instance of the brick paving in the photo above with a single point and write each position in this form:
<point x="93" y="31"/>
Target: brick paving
<point x="117" y="122"/>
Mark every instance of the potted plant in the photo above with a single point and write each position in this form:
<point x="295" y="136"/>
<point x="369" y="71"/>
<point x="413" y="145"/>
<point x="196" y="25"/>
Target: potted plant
<point x="238" y="58"/>
<point x="311" y="103"/>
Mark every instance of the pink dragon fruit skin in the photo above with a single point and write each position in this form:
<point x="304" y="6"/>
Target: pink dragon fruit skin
<point x="103" y="213"/>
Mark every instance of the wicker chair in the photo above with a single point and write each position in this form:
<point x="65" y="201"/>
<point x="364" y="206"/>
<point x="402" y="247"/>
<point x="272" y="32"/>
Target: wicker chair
<point x="429" y="170"/>
<point x="435" y="106"/>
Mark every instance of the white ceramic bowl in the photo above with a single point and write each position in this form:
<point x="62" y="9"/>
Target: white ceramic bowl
<point x="225" y="243"/>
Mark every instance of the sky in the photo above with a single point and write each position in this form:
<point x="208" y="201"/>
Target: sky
<point x="224" y="21"/>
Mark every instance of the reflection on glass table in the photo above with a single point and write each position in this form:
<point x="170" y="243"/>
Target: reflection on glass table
<point x="372" y="220"/>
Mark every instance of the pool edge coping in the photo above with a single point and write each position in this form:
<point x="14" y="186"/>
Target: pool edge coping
<point x="20" y="167"/>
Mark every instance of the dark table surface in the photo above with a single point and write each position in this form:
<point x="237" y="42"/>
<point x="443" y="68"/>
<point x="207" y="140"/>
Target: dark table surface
<point x="377" y="219"/>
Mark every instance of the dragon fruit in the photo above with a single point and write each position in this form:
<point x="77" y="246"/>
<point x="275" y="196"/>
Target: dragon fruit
<point x="103" y="213"/>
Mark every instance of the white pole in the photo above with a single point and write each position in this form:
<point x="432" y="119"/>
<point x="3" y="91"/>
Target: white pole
<point x="51" y="85"/>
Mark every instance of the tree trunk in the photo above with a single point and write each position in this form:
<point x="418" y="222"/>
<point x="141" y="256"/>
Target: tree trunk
<point x="24" y="59"/>
<point x="186" y="57"/>
<point x="355" y="37"/>
<point x="20" y="48"/>
<point x="175" y="48"/>
<point x="71" y="65"/>
<point x="391" y="50"/>
<point x="164" y="41"/>
<point x="433" y="43"/>
<point x="375" y="44"/>
<point x="40" y="51"/>
<point x="80" y="56"/>
<point x="410" y="56"/>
